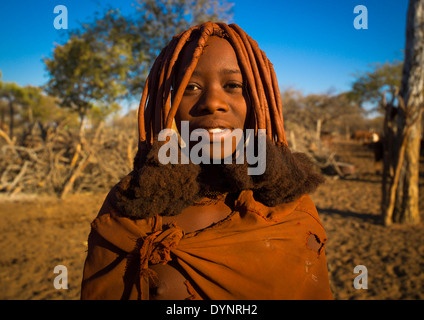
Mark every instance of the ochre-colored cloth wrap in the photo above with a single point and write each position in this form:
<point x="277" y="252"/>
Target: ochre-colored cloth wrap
<point x="257" y="252"/>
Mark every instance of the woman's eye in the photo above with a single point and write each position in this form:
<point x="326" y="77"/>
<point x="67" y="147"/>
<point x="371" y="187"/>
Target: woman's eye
<point x="234" y="85"/>
<point x="192" y="87"/>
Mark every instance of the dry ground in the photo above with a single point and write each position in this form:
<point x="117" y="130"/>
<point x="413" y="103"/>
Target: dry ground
<point x="36" y="234"/>
<point x="350" y="212"/>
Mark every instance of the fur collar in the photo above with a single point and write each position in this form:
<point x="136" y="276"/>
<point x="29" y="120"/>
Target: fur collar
<point x="153" y="188"/>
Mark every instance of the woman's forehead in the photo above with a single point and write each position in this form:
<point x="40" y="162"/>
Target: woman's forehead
<point x="217" y="51"/>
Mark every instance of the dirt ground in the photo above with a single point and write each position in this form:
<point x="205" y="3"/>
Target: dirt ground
<point x="39" y="233"/>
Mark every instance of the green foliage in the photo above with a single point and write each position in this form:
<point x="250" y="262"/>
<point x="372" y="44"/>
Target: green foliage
<point x="82" y="74"/>
<point x="45" y="109"/>
<point x="11" y="91"/>
<point x="370" y="85"/>
<point x="13" y="94"/>
<point x="100" y="112"/>
<point x="139" y="36"/>
<point x="28" y="105"/>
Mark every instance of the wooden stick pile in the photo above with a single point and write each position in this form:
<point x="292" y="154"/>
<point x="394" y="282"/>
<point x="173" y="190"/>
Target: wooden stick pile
<point x="60" y="162"/>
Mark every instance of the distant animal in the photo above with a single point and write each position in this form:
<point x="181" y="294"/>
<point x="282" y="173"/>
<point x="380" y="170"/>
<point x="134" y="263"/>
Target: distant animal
<point x="377" y="147"/>
<point x="365" y="136"/>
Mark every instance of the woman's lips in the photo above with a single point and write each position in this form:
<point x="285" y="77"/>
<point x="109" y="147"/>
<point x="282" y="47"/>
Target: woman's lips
<point x="218" y="134"/>
<point x="214" y="134"/>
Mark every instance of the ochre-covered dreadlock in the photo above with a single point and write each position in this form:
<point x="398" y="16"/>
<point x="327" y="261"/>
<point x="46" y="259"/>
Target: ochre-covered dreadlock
<point x="257" y="70"/>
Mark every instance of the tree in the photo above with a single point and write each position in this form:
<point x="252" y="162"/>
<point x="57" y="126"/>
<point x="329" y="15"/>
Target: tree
<point x="141" y="34"/>
<point x="325" y="108"/>
<point x="401" y="201"/>
<point x="29" y="99"/>
<point x="42" y="109"/>
<point x="370" y="85"/>
<point x="83" y="73"/>
<point x="13" y="94"/>
<point x="99" y="113"/>
<point x="27" y="106"/>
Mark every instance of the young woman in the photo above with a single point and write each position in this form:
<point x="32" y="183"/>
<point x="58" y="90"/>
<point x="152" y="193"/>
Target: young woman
<point x="210" y="230"/>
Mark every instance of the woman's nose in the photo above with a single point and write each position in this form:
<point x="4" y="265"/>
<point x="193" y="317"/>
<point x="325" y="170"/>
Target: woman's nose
<point x="213" y="100"/>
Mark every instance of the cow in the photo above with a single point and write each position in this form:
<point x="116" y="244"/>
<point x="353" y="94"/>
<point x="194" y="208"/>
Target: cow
<point x="377" y="146"/>
<point x="365" y="136"/>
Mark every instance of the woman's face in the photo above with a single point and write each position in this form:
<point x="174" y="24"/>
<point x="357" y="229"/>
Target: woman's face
<point x="215" y="97"/>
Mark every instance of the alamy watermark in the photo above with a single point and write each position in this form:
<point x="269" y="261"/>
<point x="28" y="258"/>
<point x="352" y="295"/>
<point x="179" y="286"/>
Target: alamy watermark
<point x="61" y="281"/>
<point x="361" y="281"/>
<point x="61" y="20"/>
<point x="221" y="141"/>
<point x="361" y="20"/>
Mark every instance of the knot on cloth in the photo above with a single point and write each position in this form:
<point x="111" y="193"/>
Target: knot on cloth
<point x="156" y="248"/>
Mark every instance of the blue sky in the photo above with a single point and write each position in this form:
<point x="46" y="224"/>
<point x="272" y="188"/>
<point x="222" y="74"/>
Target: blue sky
<point x="313" y="44"/>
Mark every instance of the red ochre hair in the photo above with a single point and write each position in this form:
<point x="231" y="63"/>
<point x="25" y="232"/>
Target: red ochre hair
<point x="157" y="111"/>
